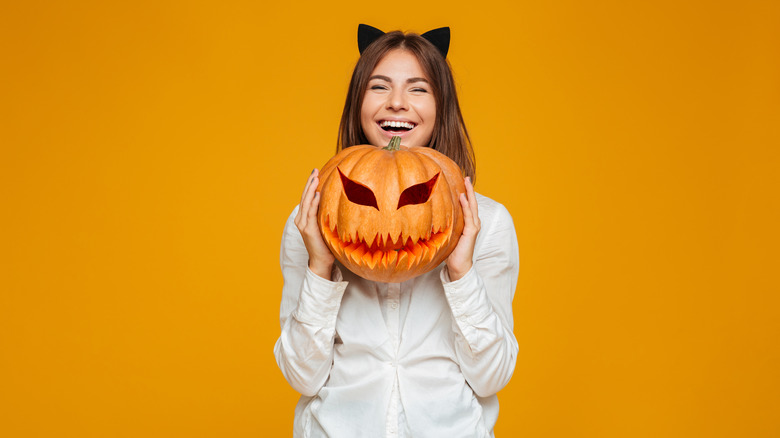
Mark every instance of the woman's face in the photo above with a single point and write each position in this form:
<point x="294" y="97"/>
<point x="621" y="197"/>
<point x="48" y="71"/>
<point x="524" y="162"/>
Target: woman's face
<point x="398" y="101"/>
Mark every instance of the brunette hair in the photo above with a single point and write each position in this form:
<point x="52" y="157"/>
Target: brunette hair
<point x="450" y="136"/>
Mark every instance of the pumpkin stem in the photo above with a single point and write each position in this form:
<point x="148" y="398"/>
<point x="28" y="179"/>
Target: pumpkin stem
<point x="394" y="144"/>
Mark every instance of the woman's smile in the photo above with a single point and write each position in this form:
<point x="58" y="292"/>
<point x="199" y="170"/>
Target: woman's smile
<point x="396" y="127"/>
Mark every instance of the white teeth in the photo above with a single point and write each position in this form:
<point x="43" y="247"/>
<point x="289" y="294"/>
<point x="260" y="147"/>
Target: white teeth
<point x="396" y="124"/>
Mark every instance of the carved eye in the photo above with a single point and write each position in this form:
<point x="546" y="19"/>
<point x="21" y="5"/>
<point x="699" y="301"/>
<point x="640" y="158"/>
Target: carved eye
<point x="358" y="193"/>
<point x="418" y="193"/>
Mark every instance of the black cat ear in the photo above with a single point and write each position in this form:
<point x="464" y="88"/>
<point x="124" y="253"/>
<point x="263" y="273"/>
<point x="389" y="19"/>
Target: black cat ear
<point x="367" y="35"/>
<point x="440" y="38"/>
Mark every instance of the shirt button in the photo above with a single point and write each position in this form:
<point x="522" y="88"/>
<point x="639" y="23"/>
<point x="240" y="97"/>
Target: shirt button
<point x="393" y="305"/>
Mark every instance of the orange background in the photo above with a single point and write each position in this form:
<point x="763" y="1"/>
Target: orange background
<point x="151" y="152"/>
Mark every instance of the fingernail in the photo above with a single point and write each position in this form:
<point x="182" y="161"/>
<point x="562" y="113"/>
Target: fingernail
<point x="312" y="171"/>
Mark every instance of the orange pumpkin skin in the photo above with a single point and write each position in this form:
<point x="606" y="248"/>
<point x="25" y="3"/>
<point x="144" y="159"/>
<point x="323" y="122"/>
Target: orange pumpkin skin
<point x="413" y="221"/>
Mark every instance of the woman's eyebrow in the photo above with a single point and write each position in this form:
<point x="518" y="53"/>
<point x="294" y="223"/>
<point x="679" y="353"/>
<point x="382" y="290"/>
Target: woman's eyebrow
<point x="387" y="79"/>
<point x="380" y="77"/>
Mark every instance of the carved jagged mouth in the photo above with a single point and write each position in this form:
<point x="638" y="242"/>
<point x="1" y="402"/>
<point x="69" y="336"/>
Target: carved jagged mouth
<point x="383" y="251"/>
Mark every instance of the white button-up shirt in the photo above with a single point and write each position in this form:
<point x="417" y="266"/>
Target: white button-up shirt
<point x="422" y="358"/>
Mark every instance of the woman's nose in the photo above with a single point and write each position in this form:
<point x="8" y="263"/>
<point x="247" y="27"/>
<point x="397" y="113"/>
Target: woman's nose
<point x="397" y="101"/>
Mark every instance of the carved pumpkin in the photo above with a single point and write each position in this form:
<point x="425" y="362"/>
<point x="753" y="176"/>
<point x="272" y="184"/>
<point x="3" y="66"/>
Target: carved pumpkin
<point x="390" y="214"/>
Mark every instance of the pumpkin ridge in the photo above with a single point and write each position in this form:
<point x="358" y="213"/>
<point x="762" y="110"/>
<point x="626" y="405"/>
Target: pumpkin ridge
<point x="443" y="192"/>
<point x="349" y="161"/>
<point x="342" y="156"/>
<point x="418" y="164"/>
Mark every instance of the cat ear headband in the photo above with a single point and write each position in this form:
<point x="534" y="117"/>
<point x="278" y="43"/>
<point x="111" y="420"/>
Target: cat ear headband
<point x="438" y="37"/>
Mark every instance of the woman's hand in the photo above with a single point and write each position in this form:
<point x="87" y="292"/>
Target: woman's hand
<point x="459" y="262"/>
<point x="320" y="258"/>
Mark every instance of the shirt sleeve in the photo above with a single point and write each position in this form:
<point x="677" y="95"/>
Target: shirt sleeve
<point x="481" y="303"/>
<point x="310" y="306"/>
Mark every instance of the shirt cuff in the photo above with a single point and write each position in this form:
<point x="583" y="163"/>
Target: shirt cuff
<point x="320" y="299"/>
<point x="467" y="297"/>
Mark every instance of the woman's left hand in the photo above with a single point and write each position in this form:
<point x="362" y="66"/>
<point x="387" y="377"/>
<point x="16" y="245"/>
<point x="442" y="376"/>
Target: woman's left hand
<point x="459" y="262"/>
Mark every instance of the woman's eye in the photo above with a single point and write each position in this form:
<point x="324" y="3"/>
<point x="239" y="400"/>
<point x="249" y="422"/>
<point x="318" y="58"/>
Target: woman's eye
<point x="378" y="87"/>
<point x="419" y="90"/>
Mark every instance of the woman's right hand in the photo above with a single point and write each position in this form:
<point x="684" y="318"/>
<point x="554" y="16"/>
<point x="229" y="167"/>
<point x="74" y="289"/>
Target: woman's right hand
<point x="320" y="258"/>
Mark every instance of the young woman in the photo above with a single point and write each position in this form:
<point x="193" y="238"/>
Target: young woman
<point x="423" y="358"/>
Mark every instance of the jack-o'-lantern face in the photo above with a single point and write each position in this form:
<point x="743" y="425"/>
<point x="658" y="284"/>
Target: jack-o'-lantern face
<point x="390" y="214"/>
